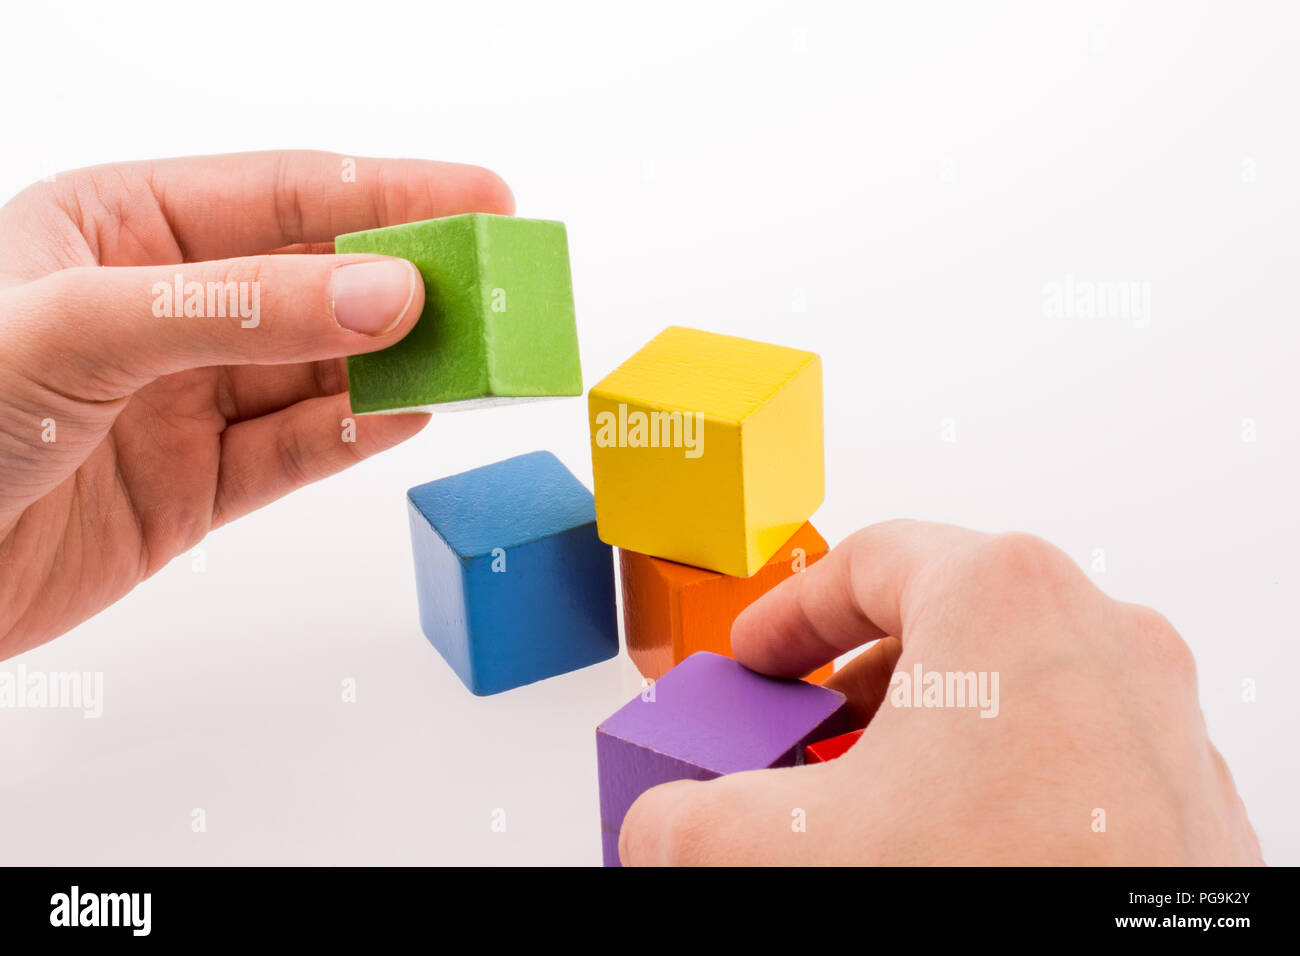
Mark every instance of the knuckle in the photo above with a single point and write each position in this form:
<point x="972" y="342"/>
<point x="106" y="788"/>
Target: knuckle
<point x="1018" y="558"/>
<point x="894" y="528"/>
<point x="1152" y="624"/>
<point x="866" y="543"/>
<point x="331" y="376"/>
<point x="60" y="292"/>
<point x="1161" y="641"/>
<point x="248" y="269"/>
<point x="240" y="282"/>
<point x="288" y="201"/>
<point x="44" y="322"/>
<point x="52" y="192"/>
<point x="295" y="458"/>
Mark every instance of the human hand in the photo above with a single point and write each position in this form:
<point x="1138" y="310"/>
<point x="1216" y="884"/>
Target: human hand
<point x="1097" y="711"/>
<point x="125" y="434"/>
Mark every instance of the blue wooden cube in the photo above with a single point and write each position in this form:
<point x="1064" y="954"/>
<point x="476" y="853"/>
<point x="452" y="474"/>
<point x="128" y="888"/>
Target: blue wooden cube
<point x="514" y="585"/>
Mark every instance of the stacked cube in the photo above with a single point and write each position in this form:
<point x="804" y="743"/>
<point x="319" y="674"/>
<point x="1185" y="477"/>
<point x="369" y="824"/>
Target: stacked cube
<point x="708" y="461"/>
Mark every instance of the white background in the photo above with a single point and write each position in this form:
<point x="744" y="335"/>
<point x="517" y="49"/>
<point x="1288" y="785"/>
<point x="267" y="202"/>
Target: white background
<point x="912" y="175"/>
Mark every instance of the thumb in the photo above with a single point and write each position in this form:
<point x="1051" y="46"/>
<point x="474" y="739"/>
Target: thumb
<point x="100" y="333"/>
<point x="753" y="818"/>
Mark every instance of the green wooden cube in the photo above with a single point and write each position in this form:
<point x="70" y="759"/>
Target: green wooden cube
<point x="497" y="324"/>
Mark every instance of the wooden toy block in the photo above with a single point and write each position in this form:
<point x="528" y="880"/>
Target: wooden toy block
<point x="825" y="750"/>
<point x="514" y="585"/>
<point x="706" y="717"/>
<point x="707" y="449"/>
<point x="672" y="610"/>
<point x="497" y="324"/>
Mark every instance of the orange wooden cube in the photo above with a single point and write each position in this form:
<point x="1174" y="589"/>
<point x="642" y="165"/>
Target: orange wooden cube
<point x="672" y="610"/>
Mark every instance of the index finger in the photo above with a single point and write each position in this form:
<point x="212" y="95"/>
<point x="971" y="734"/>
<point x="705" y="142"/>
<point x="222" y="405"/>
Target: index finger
<point x="245" y="203"/>
<point x="863" y="590"/>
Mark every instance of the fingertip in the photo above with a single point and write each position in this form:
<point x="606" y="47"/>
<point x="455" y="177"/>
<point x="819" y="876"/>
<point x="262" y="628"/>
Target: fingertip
<point x="757" y="639"/>
<point x="414" y="302"/>
<point x="479" y="189"/>
<point x="412" y="423"/>
<point x="410" y="312"/>
<point x="492" y="192"/>
<point x="385" y="431"/>
<point x="746" y="641"/>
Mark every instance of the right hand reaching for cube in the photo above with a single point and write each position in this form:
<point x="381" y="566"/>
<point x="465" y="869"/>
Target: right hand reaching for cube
<point x="1095" y="750"/>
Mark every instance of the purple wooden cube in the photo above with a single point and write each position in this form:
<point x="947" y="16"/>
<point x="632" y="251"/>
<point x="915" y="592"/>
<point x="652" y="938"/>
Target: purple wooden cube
<point x="708" y="716"/>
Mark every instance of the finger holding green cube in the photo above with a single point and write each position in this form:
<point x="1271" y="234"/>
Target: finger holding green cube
<point x="498" y="322"/>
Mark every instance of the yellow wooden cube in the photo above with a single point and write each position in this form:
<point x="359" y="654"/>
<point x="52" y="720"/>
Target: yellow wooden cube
<point x="707" y="449"/>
